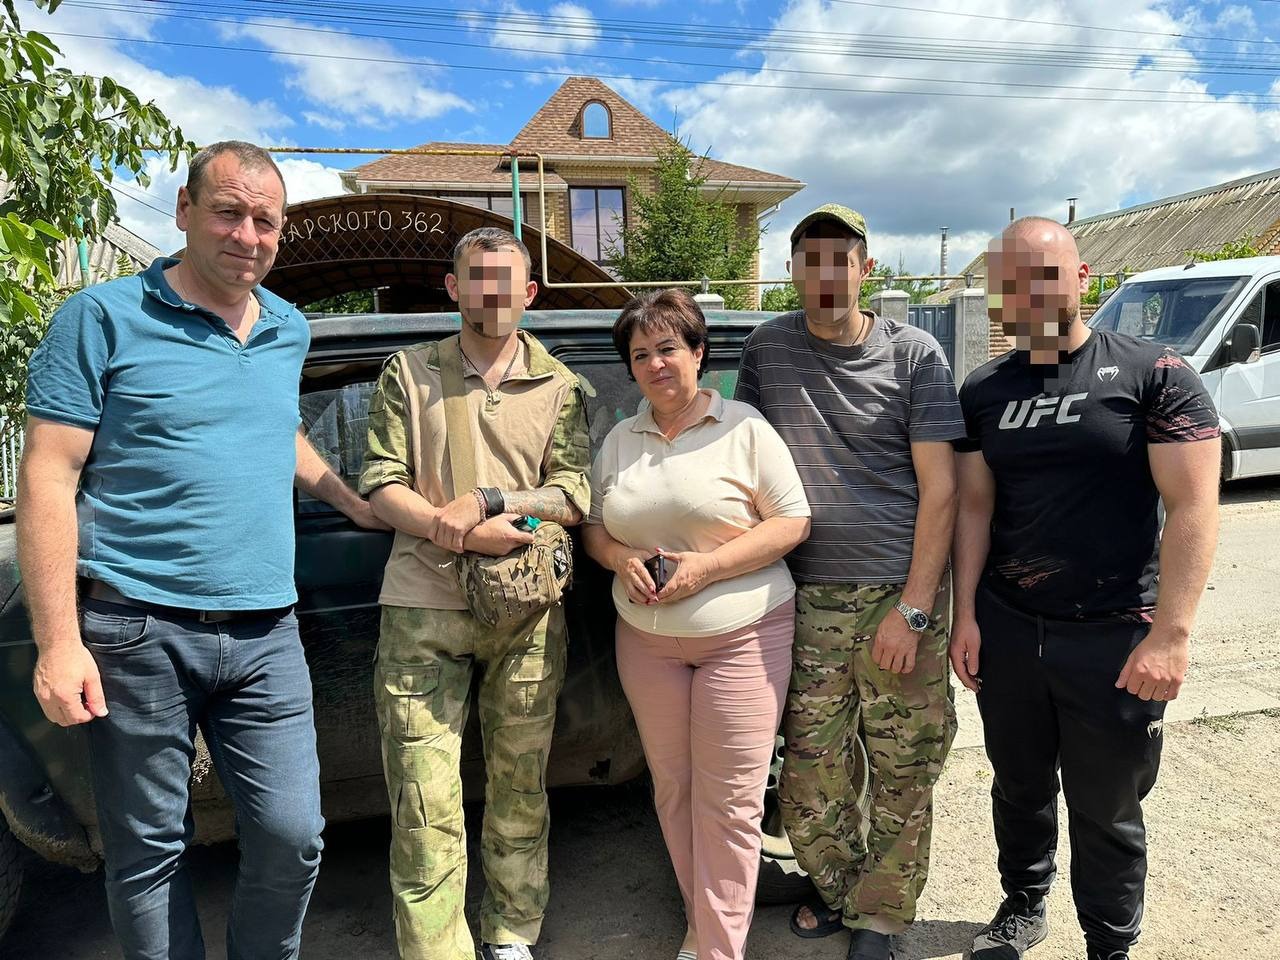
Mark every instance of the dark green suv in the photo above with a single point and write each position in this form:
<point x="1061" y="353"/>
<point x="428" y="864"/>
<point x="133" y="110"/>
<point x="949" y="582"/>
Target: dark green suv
<point x="46" y="799"/>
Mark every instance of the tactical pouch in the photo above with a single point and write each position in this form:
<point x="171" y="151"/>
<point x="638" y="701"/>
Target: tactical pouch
<point x="500" y="591"/>
<point x="504" y="591"/>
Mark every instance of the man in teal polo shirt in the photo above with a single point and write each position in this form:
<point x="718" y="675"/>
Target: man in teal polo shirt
<point x="161" y="451"/>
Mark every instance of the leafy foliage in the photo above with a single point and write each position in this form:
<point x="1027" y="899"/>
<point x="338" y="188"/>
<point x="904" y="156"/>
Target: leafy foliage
<point x="681" y="233"/>
<point x="1231" y="250"/>
<point x="786" y="297"/>
<point x="354" y="301"/>
<point x="63" y="138"/>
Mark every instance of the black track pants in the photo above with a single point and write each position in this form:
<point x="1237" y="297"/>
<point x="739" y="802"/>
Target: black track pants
<point x="1049" y="702"/>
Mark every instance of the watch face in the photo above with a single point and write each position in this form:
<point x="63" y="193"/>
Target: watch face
<point x="918" y="621"/>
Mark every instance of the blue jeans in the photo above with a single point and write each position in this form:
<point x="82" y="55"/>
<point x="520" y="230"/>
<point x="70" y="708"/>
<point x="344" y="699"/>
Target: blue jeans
<point x="245" y="684"/>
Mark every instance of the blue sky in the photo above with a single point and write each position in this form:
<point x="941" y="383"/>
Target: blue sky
<point x="920" y="113"/>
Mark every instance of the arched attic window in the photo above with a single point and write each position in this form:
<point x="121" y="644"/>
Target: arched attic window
<point x="597" y="124"/>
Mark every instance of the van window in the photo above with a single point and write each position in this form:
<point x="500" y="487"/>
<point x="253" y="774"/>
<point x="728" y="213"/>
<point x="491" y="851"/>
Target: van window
<point x="1264" y="313"/>
<point x="1178" y="313"/>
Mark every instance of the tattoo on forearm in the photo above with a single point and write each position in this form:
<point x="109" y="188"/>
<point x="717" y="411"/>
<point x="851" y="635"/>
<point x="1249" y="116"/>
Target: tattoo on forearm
<point x="548" y="503"/>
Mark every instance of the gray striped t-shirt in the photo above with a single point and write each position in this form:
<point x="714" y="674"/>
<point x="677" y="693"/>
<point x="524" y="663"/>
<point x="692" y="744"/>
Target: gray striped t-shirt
<point x="849" y="415"/>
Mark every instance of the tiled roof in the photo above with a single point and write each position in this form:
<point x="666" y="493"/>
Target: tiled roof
<point x="717" y="171"/>
<point x="1160" y="233"/>
<point x="553" y="130"/>
<point x="445" y="168"/>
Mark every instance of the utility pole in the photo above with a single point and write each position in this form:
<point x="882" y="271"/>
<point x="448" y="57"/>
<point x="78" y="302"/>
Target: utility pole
<point x="942" y="259"/>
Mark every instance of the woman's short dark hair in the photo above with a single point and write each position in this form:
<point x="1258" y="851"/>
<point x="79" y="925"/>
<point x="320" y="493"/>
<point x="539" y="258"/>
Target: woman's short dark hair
<point x="670" y="309"/>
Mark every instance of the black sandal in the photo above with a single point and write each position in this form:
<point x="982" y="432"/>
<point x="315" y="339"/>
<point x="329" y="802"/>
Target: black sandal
<point x="829" y="921"/>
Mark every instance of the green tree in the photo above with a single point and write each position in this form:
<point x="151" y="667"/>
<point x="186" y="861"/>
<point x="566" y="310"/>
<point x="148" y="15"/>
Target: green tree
<point x="1231" y="250"/>
<point x="781" y="299"/>
<point x="63" y="138"/>
<point x="681" y="233"/>
<point x="786" y="297"/>
<point x="353" y="301"/>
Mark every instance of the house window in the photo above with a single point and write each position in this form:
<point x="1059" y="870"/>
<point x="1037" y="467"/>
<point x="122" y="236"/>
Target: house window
<point x="499" y="203"/>
<point x="597" y="216"/>
<point x="596" y="123"/>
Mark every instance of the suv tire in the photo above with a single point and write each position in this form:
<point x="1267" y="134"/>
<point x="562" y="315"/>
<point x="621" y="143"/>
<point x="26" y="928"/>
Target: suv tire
<point x="10" y="875"/>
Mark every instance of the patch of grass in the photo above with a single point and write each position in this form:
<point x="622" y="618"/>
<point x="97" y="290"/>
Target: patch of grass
<point x="1233" y="725"/>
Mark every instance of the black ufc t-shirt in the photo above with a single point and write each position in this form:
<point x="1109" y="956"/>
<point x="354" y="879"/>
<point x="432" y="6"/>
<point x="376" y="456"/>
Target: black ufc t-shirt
<point x="1074" y="535"/>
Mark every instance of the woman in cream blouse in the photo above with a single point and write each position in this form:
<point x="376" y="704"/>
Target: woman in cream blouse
<point x="704" y="658"/>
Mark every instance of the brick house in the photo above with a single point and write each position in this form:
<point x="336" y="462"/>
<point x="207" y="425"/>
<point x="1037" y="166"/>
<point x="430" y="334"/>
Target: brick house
<point x="592" y="141"/>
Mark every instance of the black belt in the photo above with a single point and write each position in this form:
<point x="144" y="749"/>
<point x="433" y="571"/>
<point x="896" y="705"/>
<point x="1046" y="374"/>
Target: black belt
<point x="97" y="590"/>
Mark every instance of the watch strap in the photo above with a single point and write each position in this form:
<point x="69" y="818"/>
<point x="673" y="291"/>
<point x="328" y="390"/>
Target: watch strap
<point x="910" y="613"/>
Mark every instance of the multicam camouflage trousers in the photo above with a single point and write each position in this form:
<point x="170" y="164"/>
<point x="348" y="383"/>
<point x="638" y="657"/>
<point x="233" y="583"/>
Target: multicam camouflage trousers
<point x="864" y="748"/>
<point x="422" y="683"/>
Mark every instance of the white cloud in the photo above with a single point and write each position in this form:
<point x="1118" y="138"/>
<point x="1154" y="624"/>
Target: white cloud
<point x="368" y="92"/>
<point x="572" y="29"/>
<point x="324" y="121"/>
<point x="309" y="180"/>
<point x="205" y="112"/>
<point x="912" y="163"/>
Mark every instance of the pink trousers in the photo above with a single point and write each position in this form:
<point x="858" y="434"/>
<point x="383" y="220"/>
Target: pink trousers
<point x="708" y="710"/>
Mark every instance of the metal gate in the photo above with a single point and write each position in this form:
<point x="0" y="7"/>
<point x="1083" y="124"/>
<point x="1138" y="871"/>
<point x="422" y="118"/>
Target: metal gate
<point x="939" y="319"/>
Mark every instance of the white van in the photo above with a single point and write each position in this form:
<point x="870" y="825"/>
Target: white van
<point x="1224" y="318"/>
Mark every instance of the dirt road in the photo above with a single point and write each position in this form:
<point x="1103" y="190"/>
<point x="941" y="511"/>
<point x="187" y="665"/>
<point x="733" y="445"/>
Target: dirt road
<point x="1214" y="825"/>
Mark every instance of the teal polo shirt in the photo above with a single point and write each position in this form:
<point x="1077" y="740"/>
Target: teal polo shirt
<point x="187" y="496"/>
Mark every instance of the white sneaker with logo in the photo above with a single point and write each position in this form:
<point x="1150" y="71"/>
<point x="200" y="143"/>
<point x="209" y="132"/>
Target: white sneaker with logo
<point x="505" y="951"/>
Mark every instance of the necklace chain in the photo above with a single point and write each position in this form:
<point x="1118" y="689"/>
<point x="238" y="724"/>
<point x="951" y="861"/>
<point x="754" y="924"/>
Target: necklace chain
<point x="491" y="396"/>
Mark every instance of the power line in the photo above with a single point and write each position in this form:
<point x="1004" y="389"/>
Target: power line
<point x="129" y="195"/>
<point x="1054" y="23"/>
<point x="1184" y="97"/>
<point x="667" y="80"/>
<point x="1257" y="99"/>
<point x="671" y="35"/>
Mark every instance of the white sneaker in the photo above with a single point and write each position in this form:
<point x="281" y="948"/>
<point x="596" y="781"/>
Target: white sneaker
<point x="505" y="951"/>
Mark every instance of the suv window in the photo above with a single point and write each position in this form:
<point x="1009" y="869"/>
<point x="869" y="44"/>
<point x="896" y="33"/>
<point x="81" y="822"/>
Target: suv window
<point x="617" y="397"/>
<point x="336" y="421"/>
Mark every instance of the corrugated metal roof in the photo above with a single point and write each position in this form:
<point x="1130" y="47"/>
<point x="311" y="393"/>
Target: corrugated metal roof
<point x="1160" y="233"/>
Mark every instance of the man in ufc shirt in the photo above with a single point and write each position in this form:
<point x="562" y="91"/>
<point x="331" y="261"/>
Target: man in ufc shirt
<point x="1073" y="438"/>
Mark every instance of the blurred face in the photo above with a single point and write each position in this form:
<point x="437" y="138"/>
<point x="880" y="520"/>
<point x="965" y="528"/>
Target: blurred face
<point x="665" y="369"/>
<point x="828" y="276"/>
<point x="233" y="229"/>
<point x="492" y="290"/>
<point x="1034" y="282"/>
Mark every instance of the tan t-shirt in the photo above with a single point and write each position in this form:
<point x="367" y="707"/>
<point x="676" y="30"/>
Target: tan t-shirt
<point x="716" y="480"/>
<point x="531" y="434"/>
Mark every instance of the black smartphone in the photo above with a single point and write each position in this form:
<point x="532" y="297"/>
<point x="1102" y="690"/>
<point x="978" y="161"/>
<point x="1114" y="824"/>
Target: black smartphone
<point x="660" y="569"/>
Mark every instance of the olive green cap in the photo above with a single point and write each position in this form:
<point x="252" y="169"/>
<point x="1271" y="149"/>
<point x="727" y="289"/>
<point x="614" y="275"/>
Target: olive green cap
<point x="841" y="214"/>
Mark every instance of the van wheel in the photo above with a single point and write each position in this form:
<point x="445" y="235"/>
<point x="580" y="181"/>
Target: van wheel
<point x="10" y="875"/>
<point x="781" y="879"/>
<point x="1225" y="475"/>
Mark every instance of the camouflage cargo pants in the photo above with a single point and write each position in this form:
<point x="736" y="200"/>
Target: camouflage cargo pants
<point x="422" y="683"/>
<point x="864" y="748"/>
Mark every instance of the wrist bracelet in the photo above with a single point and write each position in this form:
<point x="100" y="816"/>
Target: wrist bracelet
<point x="484" y="515"/>
<point x="492" y="500"/>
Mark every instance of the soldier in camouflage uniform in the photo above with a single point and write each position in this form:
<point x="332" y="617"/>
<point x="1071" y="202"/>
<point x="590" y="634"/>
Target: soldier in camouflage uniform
<point x="531" y="455"/>
<point x="868" y="407"/>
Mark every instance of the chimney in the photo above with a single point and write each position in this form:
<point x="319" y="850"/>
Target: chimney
<point x="1012" y="217"/>
<point x="1071" y="209"/>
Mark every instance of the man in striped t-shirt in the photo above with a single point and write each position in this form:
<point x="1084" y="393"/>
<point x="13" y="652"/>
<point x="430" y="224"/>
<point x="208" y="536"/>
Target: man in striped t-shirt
<point x="868" y="407"/>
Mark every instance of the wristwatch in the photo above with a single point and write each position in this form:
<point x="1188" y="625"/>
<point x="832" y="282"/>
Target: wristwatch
<point x="917" y="620"/>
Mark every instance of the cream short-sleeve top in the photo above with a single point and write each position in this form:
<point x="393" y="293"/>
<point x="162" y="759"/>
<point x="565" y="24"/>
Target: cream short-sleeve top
<point x="714" y="481"/>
